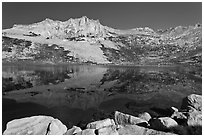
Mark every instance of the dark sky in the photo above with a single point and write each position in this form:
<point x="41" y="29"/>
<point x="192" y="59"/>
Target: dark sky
<point x="119" y="15"/>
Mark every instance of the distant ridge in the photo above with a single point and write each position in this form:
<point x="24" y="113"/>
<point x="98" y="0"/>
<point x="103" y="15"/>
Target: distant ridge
<point x="85" y="40"/>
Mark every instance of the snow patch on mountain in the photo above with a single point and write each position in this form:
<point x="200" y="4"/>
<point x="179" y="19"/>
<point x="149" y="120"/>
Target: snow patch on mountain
<point x="86" y="40"/>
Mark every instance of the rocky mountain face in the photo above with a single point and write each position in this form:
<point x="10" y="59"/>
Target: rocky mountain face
<point x="84" y="40"/>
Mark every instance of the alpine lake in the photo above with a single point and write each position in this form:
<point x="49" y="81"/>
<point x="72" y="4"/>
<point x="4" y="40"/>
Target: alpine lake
<point x="78" y="94"/>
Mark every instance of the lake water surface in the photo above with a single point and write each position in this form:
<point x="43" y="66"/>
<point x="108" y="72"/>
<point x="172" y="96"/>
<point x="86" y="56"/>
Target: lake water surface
<point x="77" y="94"/>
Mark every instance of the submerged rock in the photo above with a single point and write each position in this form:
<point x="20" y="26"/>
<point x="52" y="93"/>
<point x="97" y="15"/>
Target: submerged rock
<point x="124" y="119"/>
<point x="101" y="124"/>
<point x="36" y="125"/>
<point x="163" y="123"/>
<point x="192" y="101"/>
<point x="137" y="130"/>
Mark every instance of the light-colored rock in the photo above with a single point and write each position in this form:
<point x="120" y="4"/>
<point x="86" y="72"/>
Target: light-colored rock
<point x="193" y="105"/>
<point x="87" y="132"/>
<point x="36" y="125"/>
<point x="124" y="119"/>
<point x="137" y="130"/>
<point x="101" y="124"/>
<point x="74" y="130"/>
<point x="163" y="123"/>
<point x="192" y="100"/>
<point x="57" y="128"/>
<point x="110" y="130"/>
<point x="178" y="115"/>
<point x="146" y="116"/>
<point x="194" y="118"/>
<point x="173" y="109"/>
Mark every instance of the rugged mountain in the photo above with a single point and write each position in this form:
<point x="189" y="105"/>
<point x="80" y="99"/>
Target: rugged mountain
<point x="84" y="40"/>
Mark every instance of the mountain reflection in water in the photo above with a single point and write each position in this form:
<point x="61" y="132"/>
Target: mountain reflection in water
<point x="78" y="93"/>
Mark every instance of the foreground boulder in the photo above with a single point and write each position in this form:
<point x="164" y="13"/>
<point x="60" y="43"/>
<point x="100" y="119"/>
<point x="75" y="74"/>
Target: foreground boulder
<point x="137" y="130"/>
<point x="125" y="119"/>
<point x="180" y="117"/>
<point x="101" y="123"/>
<point x="193" y="105"/>
<point x="172" y="110"/>
<point x="110" y="130"/>
<point x="192" y="101"/>
<point x="194" y="118"/>
<point x="74" y="130"/>
<point x="87" y="132"/>
<point x="163" y="123"/>
<point x="146" y="116"/>
<point x="36" y="125"/>
<point x="56" y="128"/>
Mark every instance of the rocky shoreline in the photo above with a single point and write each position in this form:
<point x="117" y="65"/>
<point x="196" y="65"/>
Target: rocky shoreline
<point x="186" y="120"/>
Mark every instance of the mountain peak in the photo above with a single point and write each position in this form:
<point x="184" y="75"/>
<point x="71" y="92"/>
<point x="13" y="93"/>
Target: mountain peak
<point x="84" y="18"/>
<point x="198" y="25"/>
<point x="85" y="27"/>
<point x="48" y="20"/>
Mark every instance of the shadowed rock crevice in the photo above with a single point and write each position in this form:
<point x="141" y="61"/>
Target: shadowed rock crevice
<point x="48" y="129"/>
